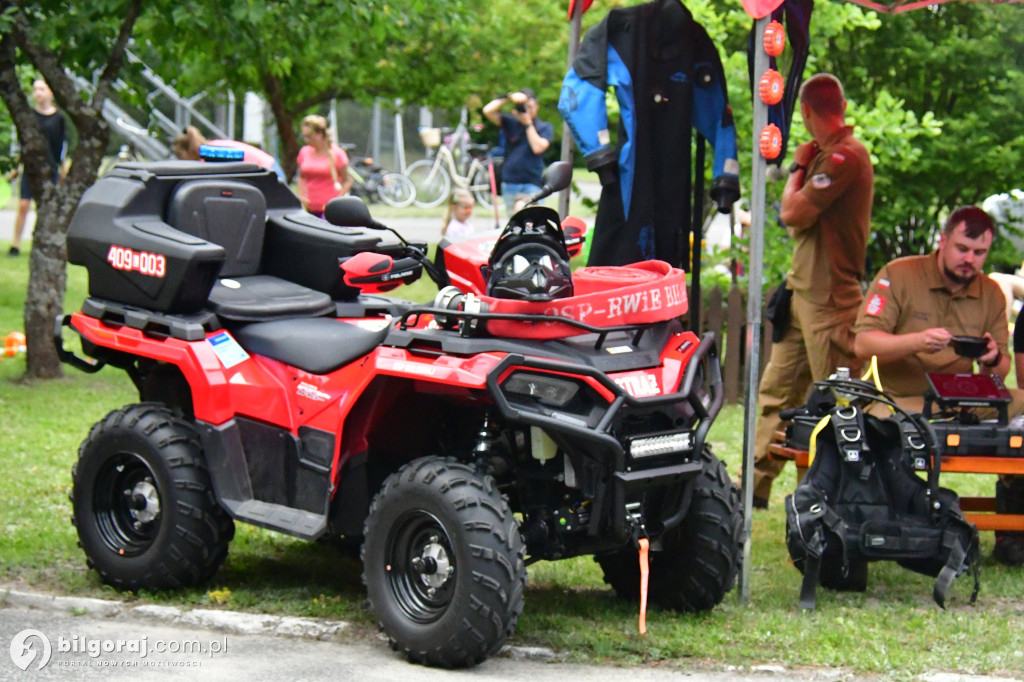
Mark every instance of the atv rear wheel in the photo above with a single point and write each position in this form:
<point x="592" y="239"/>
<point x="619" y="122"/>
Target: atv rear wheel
<point x="443" y="563"/>
<point x="143" y="504"/>
<point x="699" y="559"/>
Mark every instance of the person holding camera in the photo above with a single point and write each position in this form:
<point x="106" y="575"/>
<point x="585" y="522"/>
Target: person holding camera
<point x="527" y="137"/>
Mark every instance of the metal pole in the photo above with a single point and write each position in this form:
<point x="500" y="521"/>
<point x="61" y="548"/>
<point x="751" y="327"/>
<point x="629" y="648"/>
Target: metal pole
<point x="375" y="132"/>
<point x="695" y="251"/>
<point x="232" y="104"/>
<point x="575" y="24"/>
<point x="399" y="138"/>
<point x="756" y="275"/>
<point x="332" y="122"/>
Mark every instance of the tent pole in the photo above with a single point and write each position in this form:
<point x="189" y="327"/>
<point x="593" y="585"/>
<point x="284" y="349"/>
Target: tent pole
<point x="755" y="279"/>
<point x="575" y="27"/>
<point x="693" y="238"/>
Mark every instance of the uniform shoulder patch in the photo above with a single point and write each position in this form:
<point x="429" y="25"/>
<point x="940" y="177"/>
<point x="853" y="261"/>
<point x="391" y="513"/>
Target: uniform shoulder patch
<point x="820" y="180"/>
<point x="875" y="305"/>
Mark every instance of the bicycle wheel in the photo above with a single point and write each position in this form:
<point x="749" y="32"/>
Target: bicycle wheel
<point x="480" y="186"/>
<point x="432" y="183"/>
<point x="396" y="190"/>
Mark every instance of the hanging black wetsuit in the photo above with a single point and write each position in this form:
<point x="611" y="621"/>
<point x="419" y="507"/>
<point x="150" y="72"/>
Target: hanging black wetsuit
<point x="668" y="78"/>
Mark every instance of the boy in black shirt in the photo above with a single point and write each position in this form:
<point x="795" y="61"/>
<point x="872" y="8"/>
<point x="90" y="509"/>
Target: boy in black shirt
<point x="52" y="123"/>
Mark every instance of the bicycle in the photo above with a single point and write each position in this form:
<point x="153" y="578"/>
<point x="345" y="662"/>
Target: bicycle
<point x="371" y="182"/>
<point x="433" y="177"/>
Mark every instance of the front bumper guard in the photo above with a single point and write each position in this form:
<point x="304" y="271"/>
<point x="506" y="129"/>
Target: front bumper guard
<point x="623" y="480"/>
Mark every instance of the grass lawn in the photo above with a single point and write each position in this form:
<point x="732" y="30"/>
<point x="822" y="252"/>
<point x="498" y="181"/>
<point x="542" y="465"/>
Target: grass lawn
<point x="893" y="630"/>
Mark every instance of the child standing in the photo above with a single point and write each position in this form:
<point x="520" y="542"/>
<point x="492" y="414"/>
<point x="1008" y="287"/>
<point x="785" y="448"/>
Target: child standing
<point x="456" y="216"/>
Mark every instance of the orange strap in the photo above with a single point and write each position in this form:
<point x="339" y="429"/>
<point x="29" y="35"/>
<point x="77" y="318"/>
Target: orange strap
<point x="644" y="572"/>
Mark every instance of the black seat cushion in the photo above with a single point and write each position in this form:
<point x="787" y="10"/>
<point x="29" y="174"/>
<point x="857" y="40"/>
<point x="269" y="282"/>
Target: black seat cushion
<point x="262" y="297"/>
<point x="318" y="345"/>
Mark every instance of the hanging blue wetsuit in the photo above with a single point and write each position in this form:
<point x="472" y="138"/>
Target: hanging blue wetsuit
<point x="668" y="79"/>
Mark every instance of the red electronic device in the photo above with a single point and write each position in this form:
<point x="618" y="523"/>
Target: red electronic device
<point x="961" y="392"/>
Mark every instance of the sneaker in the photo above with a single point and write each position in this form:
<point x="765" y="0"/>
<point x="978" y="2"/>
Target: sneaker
<point x="14" y="251"/>
<point x="1009" y="549"/>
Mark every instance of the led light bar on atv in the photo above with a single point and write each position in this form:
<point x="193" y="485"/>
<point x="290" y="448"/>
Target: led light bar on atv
<point x="656" y="446"/>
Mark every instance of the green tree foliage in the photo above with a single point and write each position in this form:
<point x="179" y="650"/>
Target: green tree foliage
<point x="935" y="94"/>
<point x="940" y="99"/>
<point x="300" y="55"/>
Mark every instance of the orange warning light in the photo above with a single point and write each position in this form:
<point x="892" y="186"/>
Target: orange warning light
<point x="771" y="141"/>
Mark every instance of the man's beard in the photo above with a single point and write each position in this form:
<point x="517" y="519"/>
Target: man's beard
<point x="958" y="279"/>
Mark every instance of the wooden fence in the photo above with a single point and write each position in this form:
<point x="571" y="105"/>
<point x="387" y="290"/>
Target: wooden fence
<point x="726" y="315"/>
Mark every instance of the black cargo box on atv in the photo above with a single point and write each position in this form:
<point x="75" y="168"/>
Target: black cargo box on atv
<point x="127" y="233"/>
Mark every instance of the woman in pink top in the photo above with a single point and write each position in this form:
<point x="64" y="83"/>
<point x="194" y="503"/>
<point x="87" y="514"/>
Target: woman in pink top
<point x="323" y="167"/>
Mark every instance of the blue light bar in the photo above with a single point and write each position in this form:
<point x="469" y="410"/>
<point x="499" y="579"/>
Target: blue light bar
<point x="208" y="152"/>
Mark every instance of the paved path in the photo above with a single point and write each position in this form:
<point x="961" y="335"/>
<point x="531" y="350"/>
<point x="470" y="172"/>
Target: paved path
<point x="163" y="642"/>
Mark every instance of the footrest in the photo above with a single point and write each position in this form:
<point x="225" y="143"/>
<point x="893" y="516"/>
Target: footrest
<point x="298" y="522"/>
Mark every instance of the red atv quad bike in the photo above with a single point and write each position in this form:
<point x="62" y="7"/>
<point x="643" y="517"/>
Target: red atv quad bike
<point x="528" y="414"/>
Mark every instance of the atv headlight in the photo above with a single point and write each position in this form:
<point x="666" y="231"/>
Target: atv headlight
<point x="545" y="388"/>
<point x="661" y="445"/>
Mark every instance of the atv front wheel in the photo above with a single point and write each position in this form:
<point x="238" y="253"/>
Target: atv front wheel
<point x="443" y="563"/>
<point x="143" y="504"/>
<point x="699" y="559"/>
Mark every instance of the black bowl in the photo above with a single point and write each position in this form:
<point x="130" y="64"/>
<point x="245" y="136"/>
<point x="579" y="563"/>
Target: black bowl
<point x="970" y="346"/>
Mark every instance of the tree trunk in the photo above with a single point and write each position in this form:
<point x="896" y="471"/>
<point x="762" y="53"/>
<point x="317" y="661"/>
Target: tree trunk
<point x="49" y="257"/>
<point x="285" y="122"/>
<point x="45" y="298"/>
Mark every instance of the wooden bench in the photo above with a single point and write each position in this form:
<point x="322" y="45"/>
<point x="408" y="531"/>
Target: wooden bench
<point x="980" y="511"/>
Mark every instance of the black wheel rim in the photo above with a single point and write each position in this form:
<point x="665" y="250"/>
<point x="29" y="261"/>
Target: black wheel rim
<point x="126" y="505"/>
<point x="420" y="568"/>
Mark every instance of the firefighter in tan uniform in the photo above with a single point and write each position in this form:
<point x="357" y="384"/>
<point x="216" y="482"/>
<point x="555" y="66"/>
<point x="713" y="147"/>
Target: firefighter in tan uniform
<point x="917" y="304"/>
<point x="826" y="207"/>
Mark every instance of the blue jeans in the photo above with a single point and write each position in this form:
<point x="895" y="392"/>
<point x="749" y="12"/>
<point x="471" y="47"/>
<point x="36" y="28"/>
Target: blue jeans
<point x="512" y="191"/>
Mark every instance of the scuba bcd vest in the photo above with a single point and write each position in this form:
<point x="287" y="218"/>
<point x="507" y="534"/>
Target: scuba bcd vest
<point x="861" y="501"/>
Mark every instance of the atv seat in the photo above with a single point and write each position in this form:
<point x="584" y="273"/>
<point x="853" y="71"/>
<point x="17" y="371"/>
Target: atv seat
<point x="317" y="345"/>
<point x="233" y="215"/>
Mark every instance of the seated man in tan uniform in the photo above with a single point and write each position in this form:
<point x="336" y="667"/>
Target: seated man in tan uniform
<point x="914" y="307"/>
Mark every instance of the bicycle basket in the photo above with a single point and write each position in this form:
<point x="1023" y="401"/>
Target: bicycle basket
<point x="431" y="137"/>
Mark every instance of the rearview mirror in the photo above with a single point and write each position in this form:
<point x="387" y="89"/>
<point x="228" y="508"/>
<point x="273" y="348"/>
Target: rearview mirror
<point x="348" y="212"/>
<point x="557" y="176"/>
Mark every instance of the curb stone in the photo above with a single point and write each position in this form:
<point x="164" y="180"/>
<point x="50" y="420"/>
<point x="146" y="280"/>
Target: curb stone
<point x="234" y="622"/>
<point x="528" y="653"/>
